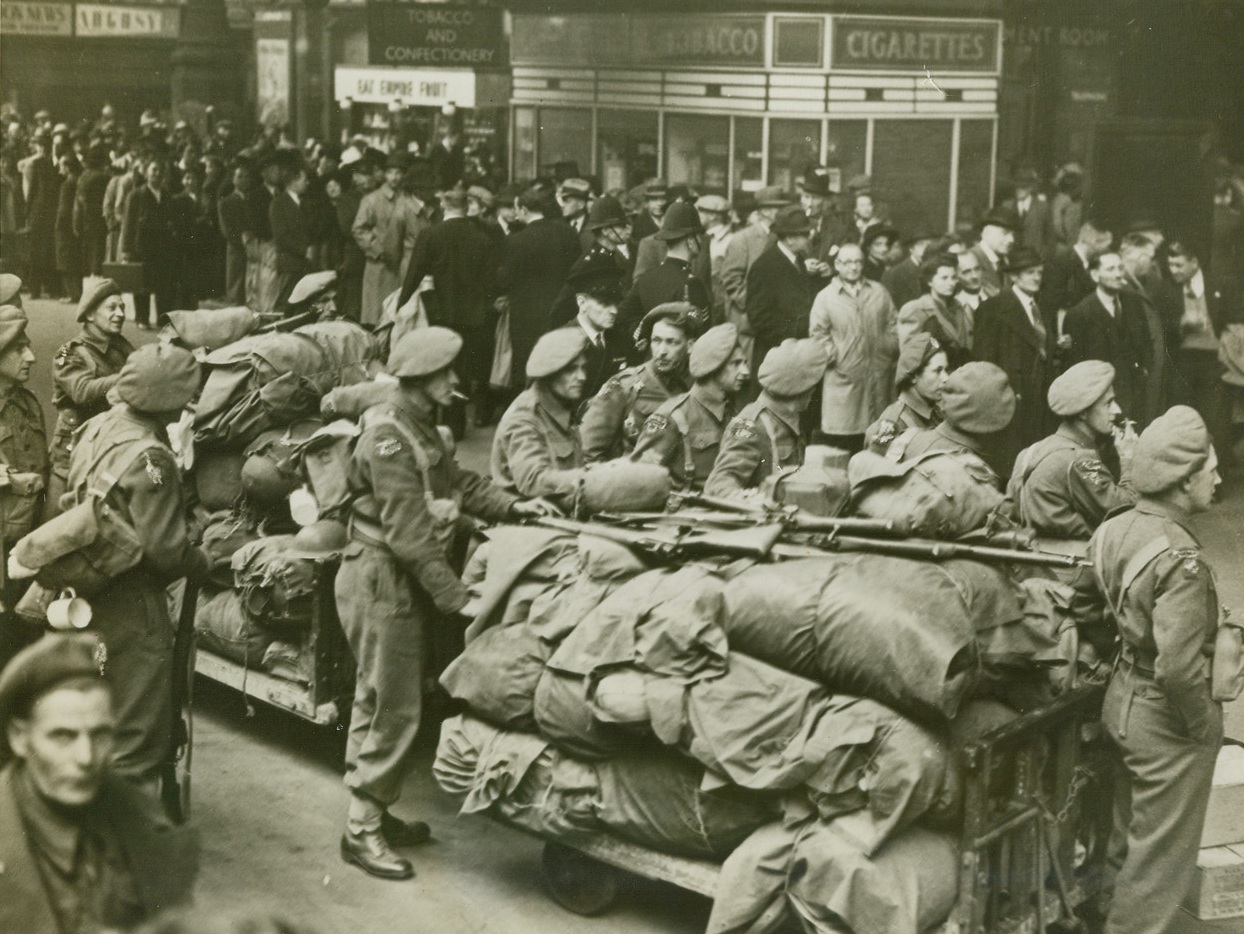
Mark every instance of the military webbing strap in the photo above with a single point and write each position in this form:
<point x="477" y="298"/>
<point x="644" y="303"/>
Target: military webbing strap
<point x="684" y="429"/>
<point x="422" y="460"/>
<point x="1141" y="560"/>
<point x="1028" y="467"/>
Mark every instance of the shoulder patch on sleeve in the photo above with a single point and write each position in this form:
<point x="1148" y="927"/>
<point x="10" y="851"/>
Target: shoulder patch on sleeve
<point x="154" y="472"/>
<point x="62" y="355"/>
<point x="1094" y="470"/>
<point x="744" y="429"/>
<point x="388" y="447"/>
<point x="1191" y="559"/>
<point x="887" y="431"/>
<point x="655" y="424"/>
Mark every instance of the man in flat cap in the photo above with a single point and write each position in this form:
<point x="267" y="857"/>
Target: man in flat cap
<point x="83" y="371"/>
<point x="684" y="434"/>
<point x="977" y="403"/>
<point x="656" y="199"/>
<point x="996" y="238"/>
<point x="1060" y="487"/>
<point x="615" y="415"/>
<point x="573" y="194"/>
<point x="1155" y="592"/>
<point x="124" y="455"/>
<point x="853" y="318"/>
<point x="537" y="451"/>
<point x="23" y="463"/>
<point x="1011" y="331"/>
<point x="80" y="848"/>
<point x="595" y="282"/>
<point x="388" y="221"/>
<point x="780" y="290"/>
<point x="922" y="372"/>
<point x="744" y="249"/>
<point x="764" y="441"/>
<point x="396" y="585"/>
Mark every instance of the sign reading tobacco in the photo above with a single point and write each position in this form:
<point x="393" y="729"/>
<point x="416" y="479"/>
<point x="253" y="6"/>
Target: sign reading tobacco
<point x="435" y="35"/>
<point x="878" y="43"/>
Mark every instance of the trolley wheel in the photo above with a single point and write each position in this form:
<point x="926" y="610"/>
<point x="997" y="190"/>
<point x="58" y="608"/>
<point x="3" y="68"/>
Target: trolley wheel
<point x="577" y="882"/>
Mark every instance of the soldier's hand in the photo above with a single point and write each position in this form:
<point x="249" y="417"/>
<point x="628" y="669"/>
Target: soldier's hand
<point x="26" y="484"/>
<point x="534" y="508"/>
<point x="1125" y="439"/>
<point x="19" y="571"/>
<point x="471" y="608"/>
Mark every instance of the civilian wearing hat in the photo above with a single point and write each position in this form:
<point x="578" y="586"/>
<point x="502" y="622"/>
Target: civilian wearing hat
<point x="1159" y="713"/>
<point x="614" y="416"/>
<point x="684" y="434"/>
<point x="829" y="226"/>
<point x="938" y="312"/>
<point x="780" y="290"/>
<point x="291" y="213"/>
<point x="1011" y="330"/>
<point x="365" y="175"/>
<point x="88" y="210"/>
<point x="81" y="849"/>
<point x="977" y="404"/>
<point x="385" y="228"/>
<point x="42" y="183"/>
<point x="607" y="232"/>
<point x="854" y="320"/>
<point x="462" y="259"/>
<point x="398" y="582"/>
<point x="149" y="237"/>
<point x="655" y="196"/>
<point x="124" y="452"/>
<point x="764" y="439"/>
<point x="1067" y="280"/>
<point x="902" y="280"/>
<point x="84" y="370"/>
<point x="675" y="279"/>
<point x="233" y="214"/>
<point x="1034" y="216"/>
<point x="922" y="372"/>
<point x="744" y="249"/>
<point x="537" y="451"/>
<point x="997" y="236"/>
<point x="535" y="264"/>
<point x="877" y="244"/>
<point x="573" y="195"/>
<point x="1060" y="487"/>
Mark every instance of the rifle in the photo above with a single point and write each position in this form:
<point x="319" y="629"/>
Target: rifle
<point x="793" y="518"/>
<point x="679" y="541"/>
<point x="174" y="794"/>
<point x="931" y="550"/>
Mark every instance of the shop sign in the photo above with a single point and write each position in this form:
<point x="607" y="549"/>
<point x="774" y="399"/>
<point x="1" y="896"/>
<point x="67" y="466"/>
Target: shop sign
<point x="132" y="22"/>
<point x="272" y="81"/>
<point x="883" y="43"/>
<point x="436" y="35"/>
<point x="640" y="40"/>
<point x="413" y="87"/>
<point x="22" y="18"/>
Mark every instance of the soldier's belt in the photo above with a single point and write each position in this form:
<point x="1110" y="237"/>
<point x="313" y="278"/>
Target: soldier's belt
<point x="369" y="533"/>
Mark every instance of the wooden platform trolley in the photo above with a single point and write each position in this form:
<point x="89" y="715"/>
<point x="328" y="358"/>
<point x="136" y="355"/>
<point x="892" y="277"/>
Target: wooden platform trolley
<point x="1017" y="869"/>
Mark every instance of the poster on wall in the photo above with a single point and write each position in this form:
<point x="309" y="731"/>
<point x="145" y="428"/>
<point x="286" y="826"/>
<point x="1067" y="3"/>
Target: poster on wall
<point x="272" y="84"/>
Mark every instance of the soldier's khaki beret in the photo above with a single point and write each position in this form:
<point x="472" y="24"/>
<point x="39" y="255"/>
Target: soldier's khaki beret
<point x="13" y="323"/>
<point x="978" y="398"/>
<point x="424" y="351"/>
<point x="38" y="668"/>
<point x="712" y="349"/>
<point x="93" y="297"/>
<point x="682" y="315"/>
<point x="555" y="351"/>
<point x="313" y="286"/>
<point x="10" y="286"/>
<point x="1170" y="450"/>
<point x="917" y="351"/>
<point x="158" y="378"/>
<point x="793" y="367"/>
<point x="1080" y="387"/>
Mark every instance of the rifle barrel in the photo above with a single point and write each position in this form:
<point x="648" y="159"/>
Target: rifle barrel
<point x="945" y="551"/>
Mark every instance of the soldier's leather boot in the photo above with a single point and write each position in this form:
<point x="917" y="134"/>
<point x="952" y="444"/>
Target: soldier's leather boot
<point x="369" y="851"/>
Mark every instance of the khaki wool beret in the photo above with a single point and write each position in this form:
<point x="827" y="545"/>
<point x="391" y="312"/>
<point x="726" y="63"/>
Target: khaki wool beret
<point x="158" y="378"/>
<point x="424" y="351"/>
<point x="793" y="367"/>
<point x="92" y="298"/>
<point x="13" y="323"/>
<point x="682" y="315"/>
<point x="1170" y="450"/>
<point x="37" y="669"/>
<point x="10" y="285"/>
<point x="978" y="399"/>
<point x="712" y="349"/>
<point x="1080" y="387"/>
<point x="555" y="351"/>
<point x="312" y="286"/>
<point x="917" y="351"/>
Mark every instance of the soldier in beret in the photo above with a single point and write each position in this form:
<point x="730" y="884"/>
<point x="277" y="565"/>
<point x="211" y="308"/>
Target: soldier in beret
<point x="1159" y="714"/>
<point x="1060" y="486"/>
<point x="921" y="375"/>
<point x="10" y="290"/>
<point x="83" y="371"/>
<point x="23" y="462"/>
<point x="763" y="441"/>
<point x="396" y="584"/>
<point x="977" y="403"/>
<point x="613" y="418"/>
<point x="684" y="434"/>
<point x="80" y="849"/>
<point x="316" y="294"/>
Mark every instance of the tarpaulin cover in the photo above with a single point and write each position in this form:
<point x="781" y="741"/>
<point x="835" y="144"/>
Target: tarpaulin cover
<point x="218" y="478"/>
<point x="565" y="717"/>
<point x="210" y="328"/>
<point x="901" y="632"/>
<point x="223" y="534"/>
<point x="938" y="495"/>
<point x="224" y="627"/>
<point x="496" y="675"/>
<point x="277" y="587"/>
<point x="350" y="349"/>
<point x="511" y="567"/>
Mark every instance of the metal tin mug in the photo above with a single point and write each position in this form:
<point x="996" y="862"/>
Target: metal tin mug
<point x="69" y="611"/>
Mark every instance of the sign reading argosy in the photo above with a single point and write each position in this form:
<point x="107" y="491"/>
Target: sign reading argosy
<point x="880" y="43"/>
<point x="435" y="35"/>
<point x="23" y="18"/>
<point x="134" y="22"/>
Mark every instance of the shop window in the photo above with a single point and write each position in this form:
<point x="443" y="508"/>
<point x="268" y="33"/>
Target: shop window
<point x="524" y="142"/>
<point x="975" y="157"/>
<point x="798" y="42"/>
<point x="565" y="137"/>
<point x="626" y="147"/>
<point x="697" y="152"/>
<point x="911" y="173"/>
<point x="794" y="150"/>
<point x="748" y="155"/>
<point x="846" y="151"/>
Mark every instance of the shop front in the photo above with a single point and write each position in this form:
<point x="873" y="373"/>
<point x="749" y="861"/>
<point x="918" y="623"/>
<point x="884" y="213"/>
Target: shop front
<point x="729" y="103"/>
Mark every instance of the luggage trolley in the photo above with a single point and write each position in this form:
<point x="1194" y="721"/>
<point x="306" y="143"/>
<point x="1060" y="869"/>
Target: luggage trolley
<point x="1014" y="843"/>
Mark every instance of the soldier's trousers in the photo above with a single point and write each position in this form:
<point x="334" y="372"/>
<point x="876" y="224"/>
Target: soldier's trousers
<point x="1161" y="794"/>
<point x="384" y="617"/>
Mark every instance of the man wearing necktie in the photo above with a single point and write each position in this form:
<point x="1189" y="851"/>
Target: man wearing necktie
<point x="1109" y="324"/>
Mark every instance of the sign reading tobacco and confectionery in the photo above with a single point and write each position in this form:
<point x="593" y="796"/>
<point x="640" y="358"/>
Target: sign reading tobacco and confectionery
<point x="880" y="43"/>
<point x="435" y="35"/>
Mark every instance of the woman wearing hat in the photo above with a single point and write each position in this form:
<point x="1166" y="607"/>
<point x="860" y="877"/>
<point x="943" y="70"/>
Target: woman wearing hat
<point x="922" y="372"/>
<point x="83" y="371"/>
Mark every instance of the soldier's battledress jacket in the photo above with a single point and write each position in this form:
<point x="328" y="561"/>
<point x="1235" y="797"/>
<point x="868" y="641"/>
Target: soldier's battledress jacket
<point x="758" y="442"/>
<point x="616" y="415"/>
<point x="908" y="411"/>
<point x="83" y="371"/>
<point x="23" y="450"/>
<point x="684" y="435"/>
<point x="536" y="451"/>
